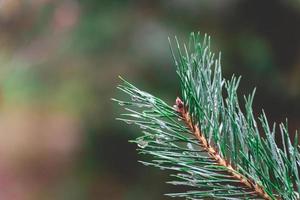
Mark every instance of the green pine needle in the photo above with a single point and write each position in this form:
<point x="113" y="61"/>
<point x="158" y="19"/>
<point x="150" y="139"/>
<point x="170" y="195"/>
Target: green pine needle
<point x="232" y="135"/>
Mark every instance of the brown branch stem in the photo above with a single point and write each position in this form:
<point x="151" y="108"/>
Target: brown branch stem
<point x="181" y="109"/>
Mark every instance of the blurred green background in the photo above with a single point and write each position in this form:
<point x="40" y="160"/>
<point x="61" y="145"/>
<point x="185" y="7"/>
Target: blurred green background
<point x="59" y="63"/>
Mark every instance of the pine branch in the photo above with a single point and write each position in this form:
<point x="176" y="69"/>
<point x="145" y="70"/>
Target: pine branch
<point x="215" y="155"/>
<point x="206" y="140"/>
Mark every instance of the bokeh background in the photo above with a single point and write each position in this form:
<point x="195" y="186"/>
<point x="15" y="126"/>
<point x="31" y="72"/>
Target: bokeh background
<point x="59" y="63"/>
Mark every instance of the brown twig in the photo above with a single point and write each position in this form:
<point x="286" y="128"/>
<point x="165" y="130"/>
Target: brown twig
<point x="182" y="110"/>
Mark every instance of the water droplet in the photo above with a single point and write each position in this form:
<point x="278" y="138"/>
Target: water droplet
<point x="159" y="140"/>
<point x="190" y="146"/>
<point x="162" y="168"/>
<point x="134" y="98"/>
<point x="128" y="122"/>
<point x="139" y="105"/>
<point x="161" y="124"/>
<point x="143" y="127"/>
<point x="142" y="144"/>
<point x="193" y="182"/>
<point x="151" y="100"/>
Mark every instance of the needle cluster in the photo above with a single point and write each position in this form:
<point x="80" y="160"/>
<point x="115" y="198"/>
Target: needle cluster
<point x="208" y="140"/>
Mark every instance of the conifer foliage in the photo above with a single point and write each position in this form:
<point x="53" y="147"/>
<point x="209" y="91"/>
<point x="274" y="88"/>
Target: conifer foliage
<point x="209" y="141"/>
